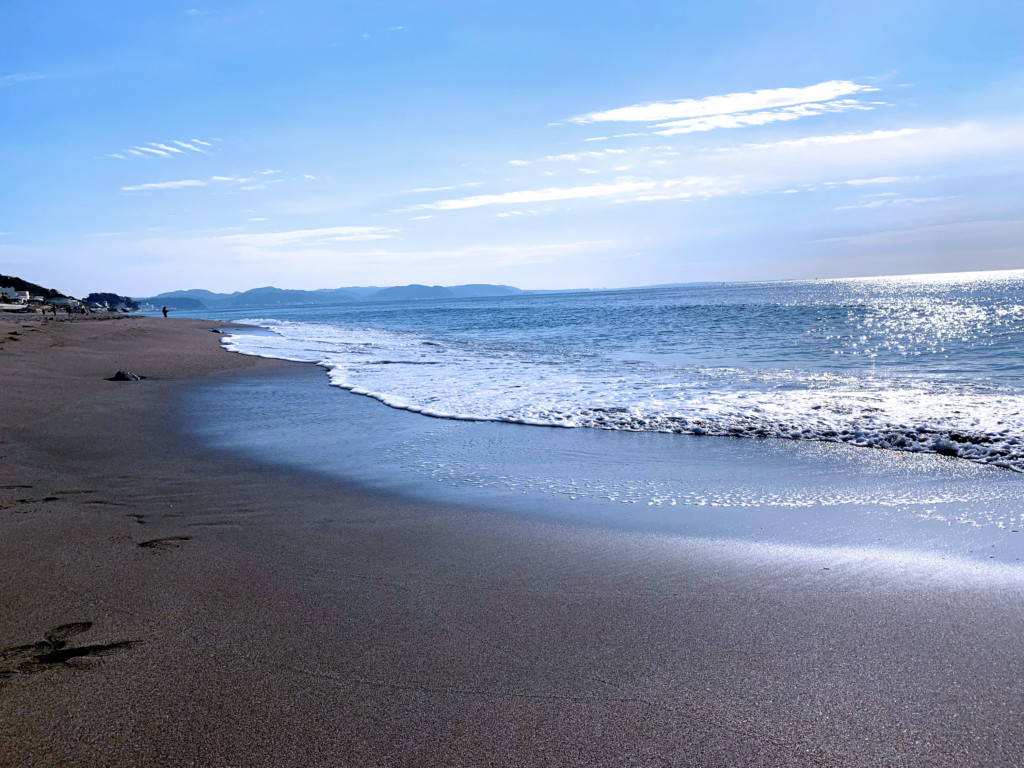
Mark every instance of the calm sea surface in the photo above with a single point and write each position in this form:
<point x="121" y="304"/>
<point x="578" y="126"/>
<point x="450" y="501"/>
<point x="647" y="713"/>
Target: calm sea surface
<point x="928" y="364"/>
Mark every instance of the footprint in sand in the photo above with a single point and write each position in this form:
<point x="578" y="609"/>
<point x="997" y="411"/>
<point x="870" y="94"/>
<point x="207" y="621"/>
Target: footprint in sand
<point x="165" y="542"/>
<point x="54" y="652"/>
<point x="44" y="500"/>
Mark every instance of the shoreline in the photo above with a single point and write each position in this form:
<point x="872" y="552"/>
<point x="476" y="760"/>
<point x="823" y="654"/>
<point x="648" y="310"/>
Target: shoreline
<point x="776" y="493"/>
<point x="279" y="618"/>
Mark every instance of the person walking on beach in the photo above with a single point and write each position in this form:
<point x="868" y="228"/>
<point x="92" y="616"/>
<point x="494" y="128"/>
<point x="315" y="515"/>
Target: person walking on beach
<point x="164" y="310"/>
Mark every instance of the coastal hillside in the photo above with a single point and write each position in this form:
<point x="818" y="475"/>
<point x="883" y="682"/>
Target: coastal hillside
<point x="414" y="292"/>
<point x="269" y="296"/>
<point x="8" y="281"/>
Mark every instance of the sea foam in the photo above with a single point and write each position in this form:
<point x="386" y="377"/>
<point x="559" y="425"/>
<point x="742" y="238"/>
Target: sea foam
<point x="565" y="386"/>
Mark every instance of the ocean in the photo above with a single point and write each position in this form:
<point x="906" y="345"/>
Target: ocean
<point x="899" y="397"/>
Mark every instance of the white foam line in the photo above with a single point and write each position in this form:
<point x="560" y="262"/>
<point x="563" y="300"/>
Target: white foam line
<point x="466" y="384"/>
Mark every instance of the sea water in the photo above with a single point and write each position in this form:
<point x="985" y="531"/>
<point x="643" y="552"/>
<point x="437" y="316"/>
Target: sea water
<point x="924" y="374"/>
<point x="933" y="364"/>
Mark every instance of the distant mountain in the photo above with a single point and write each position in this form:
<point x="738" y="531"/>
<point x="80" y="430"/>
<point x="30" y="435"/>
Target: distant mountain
<point x="413" y="292"/>
<point x="7" y="281"/>
<point x="257" y="297"/>
<point x="174" y="302"/>
<point x="112" y="300"/>
<point x="269" y="296"/>
<point x="477" y="290"/>
<point x="195" y="293"/>
<point x="362" y="292"/>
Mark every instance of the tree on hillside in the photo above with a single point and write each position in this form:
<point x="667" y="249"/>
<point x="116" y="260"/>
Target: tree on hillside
<point x="7" y="281"/>
<point x="112" y="300"/>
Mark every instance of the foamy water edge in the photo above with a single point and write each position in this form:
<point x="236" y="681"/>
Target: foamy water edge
<point x="442" y="380"/>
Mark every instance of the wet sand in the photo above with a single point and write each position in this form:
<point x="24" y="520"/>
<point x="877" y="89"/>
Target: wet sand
<point x="211" y="611"/>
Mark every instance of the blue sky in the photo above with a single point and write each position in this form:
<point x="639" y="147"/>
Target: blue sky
<point x="155" y="146"/>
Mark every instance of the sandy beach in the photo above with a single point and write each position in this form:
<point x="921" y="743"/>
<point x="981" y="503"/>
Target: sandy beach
<point x="164" y="604"/>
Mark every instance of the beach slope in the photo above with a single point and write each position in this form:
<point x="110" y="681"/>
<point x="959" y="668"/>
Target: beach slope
<point x="165" y="605"/>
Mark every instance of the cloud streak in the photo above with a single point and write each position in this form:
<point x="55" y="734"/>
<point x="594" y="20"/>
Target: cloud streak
<point x="165" y="185"/>
<point x="744" y="119"/>
<point x="896" y="202"/>
<point x="574" y="156"/>
<point x="949" y="235"/>
<point x="726" y="104"/>
<point x="539" y="195"/>
<point x="822" y="141"/>
<point x="18" y="77"/>
<point x="161" y="149"/>
<point x="308" y="238"/>
<point x="875" y="180"/>
<point x="421" y="190"/>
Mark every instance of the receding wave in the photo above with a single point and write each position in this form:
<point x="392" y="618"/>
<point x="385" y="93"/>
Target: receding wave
<point x="509" y="382"/>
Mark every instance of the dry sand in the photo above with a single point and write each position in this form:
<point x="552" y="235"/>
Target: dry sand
<point x="248" y="616"/>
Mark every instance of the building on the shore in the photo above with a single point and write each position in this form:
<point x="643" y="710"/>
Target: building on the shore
<point x="63" y="302"/>
<point x="12" y="296"/>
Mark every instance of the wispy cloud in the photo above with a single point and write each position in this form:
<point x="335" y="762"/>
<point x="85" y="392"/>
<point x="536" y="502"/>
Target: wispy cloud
<point x="420" y="190"/>
<point x="539" y="195"/>
<point x="574" y="156"/>
<point x="896" y="202"/>
<point x="951" y="234"/>
<point x="693" y="188"/>
<point x="875" y="180"/>
<point x="161" y="149"/>
<point x="241" y="180"/>
<point x="820" y="141"/>
<point x="309" y="238"/>
<point x="165" y="185"/>
<point x="726" y="104"/>
<point x="488" y="255"/>
<point x="324" y="255"/>
<point x="263" y="184"/>
<point x="744" y="119"/>
<point x="166" y="148"/>
<point x="18" y="77"/>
